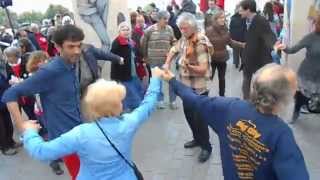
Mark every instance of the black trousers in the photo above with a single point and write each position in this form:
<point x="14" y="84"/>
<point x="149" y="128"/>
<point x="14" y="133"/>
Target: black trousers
<point x="6" y="130"/>
<point x="300" y="100"/>
<point x="246" y="84"/>
<point x="199" y="127"/>
<point x="237" y="55"/>
<point x="29" y="110"/>
<point x="222" y="67"/>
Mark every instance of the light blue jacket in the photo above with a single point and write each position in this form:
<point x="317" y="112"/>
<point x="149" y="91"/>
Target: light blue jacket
<point x="99" y="161"/>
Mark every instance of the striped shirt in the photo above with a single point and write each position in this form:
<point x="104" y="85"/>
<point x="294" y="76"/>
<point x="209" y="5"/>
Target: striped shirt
<point x="156" y="44"/>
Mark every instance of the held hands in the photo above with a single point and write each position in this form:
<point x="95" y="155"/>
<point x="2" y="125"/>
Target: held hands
<point x="157" y="72"/>
<point x="164" y="74"/>
<point x="167" y="75"/>
<point x="30" y="124"/>
<point x="165" y="66"/>
<point x="279" y="46"/>
<point x="243" y="45"/>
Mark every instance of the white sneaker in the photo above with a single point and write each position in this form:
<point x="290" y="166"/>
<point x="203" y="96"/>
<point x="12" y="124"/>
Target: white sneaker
<point x="161" y="105"/>
<point x="173" y="106"/>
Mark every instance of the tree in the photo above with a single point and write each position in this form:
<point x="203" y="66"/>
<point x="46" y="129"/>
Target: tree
<point x="30" y="17"/>
<point x="4" y="19"/>
<point x="55" y="9"/>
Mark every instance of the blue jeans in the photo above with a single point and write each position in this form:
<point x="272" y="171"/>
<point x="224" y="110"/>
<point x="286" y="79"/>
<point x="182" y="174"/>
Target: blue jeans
<point x="275" y="57"/>
<point x="172" y="95"/>
<point x="134" y="93"/>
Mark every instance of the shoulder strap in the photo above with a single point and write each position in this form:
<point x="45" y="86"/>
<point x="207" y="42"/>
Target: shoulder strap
<point x="113" y="146"/>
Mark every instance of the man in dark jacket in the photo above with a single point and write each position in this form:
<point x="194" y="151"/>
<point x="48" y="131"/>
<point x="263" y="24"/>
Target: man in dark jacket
<point x="188" y="6"/>
<point x="259" y="43"/>
<point x="88" y="69"/>
<point x="237" y="31"/>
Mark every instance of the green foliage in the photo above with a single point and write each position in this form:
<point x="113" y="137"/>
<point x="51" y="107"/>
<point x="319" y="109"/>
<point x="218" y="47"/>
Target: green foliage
<point x="4" y="19"/>
<point x="2" y="16"/>
<point x="30" y="17"/>
<point x="55" y="9"/>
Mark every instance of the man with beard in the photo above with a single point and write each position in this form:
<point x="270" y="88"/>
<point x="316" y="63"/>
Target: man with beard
<point x="255" y="143"/>
<point x="58" y="86"/>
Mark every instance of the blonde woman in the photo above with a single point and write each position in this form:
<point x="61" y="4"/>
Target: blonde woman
<point x="102" y="104"/>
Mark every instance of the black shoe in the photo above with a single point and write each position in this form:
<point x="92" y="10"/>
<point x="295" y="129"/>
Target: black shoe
<point x="295" y="116"/>
<point x="191" y="144"/>
<point x="10" y="152"/>
<point x="55" y="166"/>
<point x="204" y="155"/>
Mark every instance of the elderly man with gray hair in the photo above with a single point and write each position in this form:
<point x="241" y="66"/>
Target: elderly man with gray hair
<point x="193" y="50"/>
<point x="255" y="143"/>
<point x="156" y="43"/>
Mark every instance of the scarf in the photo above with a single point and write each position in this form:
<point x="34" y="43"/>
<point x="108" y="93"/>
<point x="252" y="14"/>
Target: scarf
<point x="192" y="42"/>
<point x="126" y="41"/>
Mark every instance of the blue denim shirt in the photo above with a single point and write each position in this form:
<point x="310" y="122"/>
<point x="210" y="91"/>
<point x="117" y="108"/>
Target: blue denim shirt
<point x="99" y="161"/>
<point x="58" y="86"/>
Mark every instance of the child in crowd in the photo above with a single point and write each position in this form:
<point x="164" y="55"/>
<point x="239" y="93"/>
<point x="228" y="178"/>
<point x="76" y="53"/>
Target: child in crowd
<point x="37" y="59"/>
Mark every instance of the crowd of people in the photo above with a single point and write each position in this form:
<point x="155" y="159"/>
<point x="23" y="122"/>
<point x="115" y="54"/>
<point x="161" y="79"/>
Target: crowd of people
<point x="89" y="123"/>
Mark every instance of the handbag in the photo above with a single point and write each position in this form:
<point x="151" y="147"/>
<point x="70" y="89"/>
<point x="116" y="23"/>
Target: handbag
<point x="132" y="164"/>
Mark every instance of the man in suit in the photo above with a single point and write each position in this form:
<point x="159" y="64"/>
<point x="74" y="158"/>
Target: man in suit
<point x="259" y="43"/>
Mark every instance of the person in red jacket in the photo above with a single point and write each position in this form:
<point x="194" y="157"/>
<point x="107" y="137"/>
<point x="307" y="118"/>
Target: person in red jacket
<point x="42" y="41"/>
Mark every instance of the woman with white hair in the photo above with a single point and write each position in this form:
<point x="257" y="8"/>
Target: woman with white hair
<point x="125" y="73"/>
<point x="107" y="132"/>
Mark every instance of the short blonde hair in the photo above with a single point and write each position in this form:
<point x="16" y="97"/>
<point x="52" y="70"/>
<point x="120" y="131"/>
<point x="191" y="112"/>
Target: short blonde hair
<point x="102" y="99"/>
<point x="35" y="58"/>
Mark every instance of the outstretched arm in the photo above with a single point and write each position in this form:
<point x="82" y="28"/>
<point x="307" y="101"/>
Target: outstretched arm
<point x="303" y="43"/>
<point x="213" y="110"/>
<point x="33" y="85"/>
<point x="66" y="144"/>
<point x="105" y="56"/>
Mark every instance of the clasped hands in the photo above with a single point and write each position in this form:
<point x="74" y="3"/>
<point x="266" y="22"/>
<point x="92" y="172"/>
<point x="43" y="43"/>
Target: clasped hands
<point x="279" y="46"/>
<point x="163" y="73"/>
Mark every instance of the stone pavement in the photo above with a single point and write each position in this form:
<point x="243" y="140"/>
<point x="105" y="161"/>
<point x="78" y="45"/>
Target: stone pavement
<point x="158" y="148"/>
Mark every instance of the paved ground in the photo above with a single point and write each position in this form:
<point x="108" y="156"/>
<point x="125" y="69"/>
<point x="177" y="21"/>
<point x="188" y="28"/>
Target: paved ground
<point x="159" y="153"/>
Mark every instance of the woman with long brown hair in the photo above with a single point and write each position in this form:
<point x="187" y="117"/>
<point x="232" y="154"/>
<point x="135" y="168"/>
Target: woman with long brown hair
<point x="219" y="36"/>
